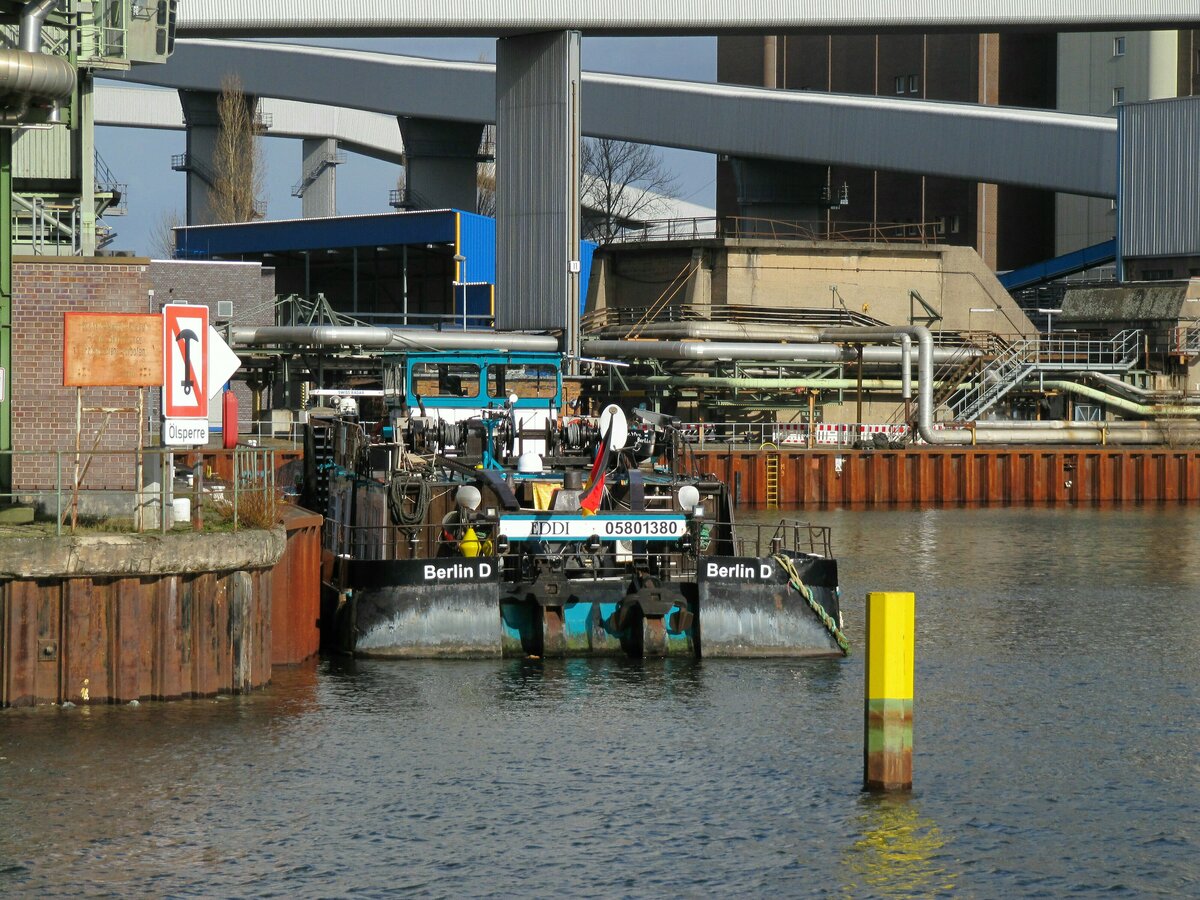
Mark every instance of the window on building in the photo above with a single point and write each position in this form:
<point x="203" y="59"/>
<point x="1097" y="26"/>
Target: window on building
<point x="955" y="224"/>
<point x="1119" y="46"/>
<point x="1112" y="205"/>
<point x="1158" y="274"/>
<point x="900" y="80"/>
<point x="914" y="83"/>
<point x="1118" y="96"/>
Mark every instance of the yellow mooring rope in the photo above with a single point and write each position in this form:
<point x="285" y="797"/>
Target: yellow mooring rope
<point x="789" y="569"/>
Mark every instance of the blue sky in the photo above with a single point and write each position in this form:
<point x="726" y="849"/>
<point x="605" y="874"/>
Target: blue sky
<point x="142" y="158"/>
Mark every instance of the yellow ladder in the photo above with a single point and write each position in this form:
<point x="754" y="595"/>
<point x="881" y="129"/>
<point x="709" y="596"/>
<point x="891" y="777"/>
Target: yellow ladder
<point x="772" y="462"/>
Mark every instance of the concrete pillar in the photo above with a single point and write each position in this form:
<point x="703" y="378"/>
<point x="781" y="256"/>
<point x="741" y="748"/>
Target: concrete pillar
<point x="537" y="184"/>
<point x="202" y="122"/>
<point x="318" y="177"/>
<point x="440" y="162"/>
<point x="698" y="293"/>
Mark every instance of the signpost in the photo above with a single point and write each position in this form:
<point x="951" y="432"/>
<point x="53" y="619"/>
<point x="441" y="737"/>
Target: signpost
<point x="185" y="374"/>
<point x="178" y="351"/>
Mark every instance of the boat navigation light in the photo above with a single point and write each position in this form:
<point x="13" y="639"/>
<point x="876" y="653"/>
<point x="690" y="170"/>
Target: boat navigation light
<point x="468" y="497"/>
<point x="688" y="497"/>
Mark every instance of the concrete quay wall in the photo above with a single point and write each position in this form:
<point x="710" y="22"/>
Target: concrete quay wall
<point x="115" y="618"/>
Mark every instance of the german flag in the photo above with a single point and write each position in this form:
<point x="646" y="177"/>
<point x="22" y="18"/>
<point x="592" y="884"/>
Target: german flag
<point x="589" y="503"/>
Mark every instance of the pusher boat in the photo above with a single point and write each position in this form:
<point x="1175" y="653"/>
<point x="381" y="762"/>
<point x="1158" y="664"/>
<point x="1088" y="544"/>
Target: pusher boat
<point x="477" y="518"/>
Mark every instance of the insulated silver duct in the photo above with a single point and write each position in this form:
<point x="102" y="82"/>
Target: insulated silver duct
<point x="759" y="350"/>
<point x="708" y="331"/>
<point x="33" y="17"/>
<point x="27" y="74"/>
<point x="388" y="338"/>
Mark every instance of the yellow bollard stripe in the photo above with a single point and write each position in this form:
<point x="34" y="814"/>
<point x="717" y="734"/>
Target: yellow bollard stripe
<point x="891" y="623"/>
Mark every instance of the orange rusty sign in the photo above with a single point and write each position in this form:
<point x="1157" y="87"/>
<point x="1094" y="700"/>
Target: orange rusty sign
<point x="112" y="350"/>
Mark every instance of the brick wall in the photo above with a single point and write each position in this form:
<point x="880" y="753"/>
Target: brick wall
<point x="43" y="411"/>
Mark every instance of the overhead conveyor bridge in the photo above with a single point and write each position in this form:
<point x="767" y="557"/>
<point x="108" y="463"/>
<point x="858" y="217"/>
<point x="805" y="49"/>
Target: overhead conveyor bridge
<point x="1042" y="149"/>
<point x="390" y="18"/>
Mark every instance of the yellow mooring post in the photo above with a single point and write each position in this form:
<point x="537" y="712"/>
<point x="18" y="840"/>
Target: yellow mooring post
<point x="888" y="700"/>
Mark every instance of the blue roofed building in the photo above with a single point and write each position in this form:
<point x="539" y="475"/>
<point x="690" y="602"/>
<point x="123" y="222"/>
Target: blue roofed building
<point x="394" y="269"/>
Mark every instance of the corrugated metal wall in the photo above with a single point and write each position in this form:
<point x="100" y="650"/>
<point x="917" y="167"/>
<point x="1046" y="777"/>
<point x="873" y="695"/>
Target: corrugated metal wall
<point x="1160" y="178"/>
<point x="42" y="153"/>
<point x="537" y="174"/>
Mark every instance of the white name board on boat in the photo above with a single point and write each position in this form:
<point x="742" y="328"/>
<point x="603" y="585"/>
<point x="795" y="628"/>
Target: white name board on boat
<point x="613" y="526"/>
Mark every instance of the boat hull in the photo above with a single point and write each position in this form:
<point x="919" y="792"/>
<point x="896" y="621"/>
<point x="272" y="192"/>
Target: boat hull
<point x="465" y="608"/>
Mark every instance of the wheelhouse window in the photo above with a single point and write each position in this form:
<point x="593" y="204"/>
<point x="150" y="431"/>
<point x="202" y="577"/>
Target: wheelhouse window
<point x="451" y="380"/>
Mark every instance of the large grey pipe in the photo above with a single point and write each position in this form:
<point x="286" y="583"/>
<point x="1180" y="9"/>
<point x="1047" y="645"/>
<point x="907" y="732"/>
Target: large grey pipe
<point x="33" y="17"/>
<point x="388" y="338"/>
<point x="760" y="350"/>
<point x="707" y="331"/>
<point x="26" y="73"/>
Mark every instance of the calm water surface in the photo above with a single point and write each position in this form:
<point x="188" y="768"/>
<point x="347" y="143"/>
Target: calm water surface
<point x="1057" y="751"/>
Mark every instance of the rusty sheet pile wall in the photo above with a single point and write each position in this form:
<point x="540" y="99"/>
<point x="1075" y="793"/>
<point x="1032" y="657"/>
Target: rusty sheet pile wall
<point x="186" y="615"/>
<point x="296" y="591"/>
<point x="111" y="640"/>
<point x="960" y="476"/>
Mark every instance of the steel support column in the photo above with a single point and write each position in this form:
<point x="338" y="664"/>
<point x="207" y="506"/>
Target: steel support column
<point x="86" y="238"/>
<point x="537" y="184"/>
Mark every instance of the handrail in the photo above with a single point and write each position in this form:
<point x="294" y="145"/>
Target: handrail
<point x="54" y="482"/>
<point x="1050" y="353"/>
<point x="749" y="227"/>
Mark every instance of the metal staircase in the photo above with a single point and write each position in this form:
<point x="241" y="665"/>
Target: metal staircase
<point x="1045" y="354"/>
<point x="328" y="161"/>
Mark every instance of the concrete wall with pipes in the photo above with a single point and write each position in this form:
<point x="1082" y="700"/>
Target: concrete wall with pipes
<point x="872" y="279"/>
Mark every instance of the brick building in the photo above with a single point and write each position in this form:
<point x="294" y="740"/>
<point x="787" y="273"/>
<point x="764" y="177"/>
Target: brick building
<point x="44" y="411"/>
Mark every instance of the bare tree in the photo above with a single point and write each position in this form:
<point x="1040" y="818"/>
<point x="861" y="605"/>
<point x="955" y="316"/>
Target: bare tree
<point x="162" y="235"/>
<point x="237" y="183"/>
<point x="622" y="183"/>
<point x="485" y="174"/>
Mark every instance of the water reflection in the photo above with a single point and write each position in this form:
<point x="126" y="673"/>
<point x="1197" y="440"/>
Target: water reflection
<point x="556" y="680"/>
<point x="898" y="851"/>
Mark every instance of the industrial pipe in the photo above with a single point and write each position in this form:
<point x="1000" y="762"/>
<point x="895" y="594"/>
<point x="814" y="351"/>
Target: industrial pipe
<point x="1145" y="393"/>
<point x="26" y="73"/>
<point x="33" y="17"/>
<point x="760" y="350"/>
<point x="389" y="338"/>
<point x="708" y="331"/>
<point x="319" y="335"/>
<point x="1129" y="406"/>
<point x="925" y="354"/>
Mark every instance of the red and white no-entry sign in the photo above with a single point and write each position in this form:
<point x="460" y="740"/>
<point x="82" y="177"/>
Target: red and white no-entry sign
<point x="185" y="362"/>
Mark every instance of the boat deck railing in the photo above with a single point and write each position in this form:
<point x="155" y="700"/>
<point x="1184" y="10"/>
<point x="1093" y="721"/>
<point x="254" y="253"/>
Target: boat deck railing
<point x="432" y="540"/>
